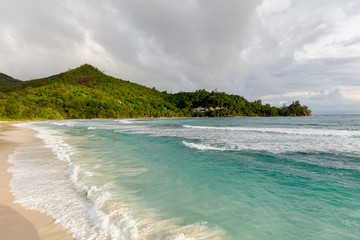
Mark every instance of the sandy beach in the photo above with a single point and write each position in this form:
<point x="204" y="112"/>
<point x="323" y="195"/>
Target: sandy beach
<point x="17" y="222"/>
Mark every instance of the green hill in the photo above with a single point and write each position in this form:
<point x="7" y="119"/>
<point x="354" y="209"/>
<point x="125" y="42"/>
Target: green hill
<point x="86" y="92"/>
<point x="6" y="80"/>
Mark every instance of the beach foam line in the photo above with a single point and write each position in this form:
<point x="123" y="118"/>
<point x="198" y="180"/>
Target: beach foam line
<point x="21" y="223"/>
<point x="50" y="190"/>
<point x="87" y="212"/>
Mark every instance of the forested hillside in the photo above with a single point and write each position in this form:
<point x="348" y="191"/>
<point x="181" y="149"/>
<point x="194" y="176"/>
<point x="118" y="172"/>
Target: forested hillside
<point x="6" y="80"/>
<point x="86" y="92"/>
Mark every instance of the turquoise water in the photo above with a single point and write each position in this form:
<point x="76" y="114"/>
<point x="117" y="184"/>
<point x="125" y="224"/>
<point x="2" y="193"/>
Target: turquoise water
<point x="210" y="178"/>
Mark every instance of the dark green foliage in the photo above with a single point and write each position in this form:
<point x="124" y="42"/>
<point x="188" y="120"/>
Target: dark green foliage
<point x="86" y="92"/>
<point x="215" y="104"/>
<point x="295" y="109"/>
<point x="6" y="80"/>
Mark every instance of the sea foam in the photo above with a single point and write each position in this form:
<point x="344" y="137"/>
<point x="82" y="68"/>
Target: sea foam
<point x="86" y="211"/>
<point x="203" y="146"/>
<point x="292" y="131"/>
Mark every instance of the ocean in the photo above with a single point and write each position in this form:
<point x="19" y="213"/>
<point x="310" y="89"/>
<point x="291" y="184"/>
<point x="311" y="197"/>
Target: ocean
<point x="195" y="178"/>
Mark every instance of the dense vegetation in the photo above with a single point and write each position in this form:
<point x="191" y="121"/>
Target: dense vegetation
<point x="6" y="80"/>
<point x="86" y="92"/>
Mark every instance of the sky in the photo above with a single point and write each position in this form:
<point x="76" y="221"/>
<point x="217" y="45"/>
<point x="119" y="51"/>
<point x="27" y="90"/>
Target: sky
<point x="278" y="51"/>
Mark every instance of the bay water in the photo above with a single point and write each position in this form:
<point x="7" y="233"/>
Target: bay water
<point x="195" y="178"/>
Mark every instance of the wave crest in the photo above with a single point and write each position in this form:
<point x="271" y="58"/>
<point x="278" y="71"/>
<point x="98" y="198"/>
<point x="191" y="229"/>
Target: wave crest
<point x="87" y="212"/>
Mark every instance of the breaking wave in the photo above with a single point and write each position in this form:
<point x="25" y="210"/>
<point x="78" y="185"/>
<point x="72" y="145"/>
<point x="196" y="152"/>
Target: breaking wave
<point x="86" y="211"/>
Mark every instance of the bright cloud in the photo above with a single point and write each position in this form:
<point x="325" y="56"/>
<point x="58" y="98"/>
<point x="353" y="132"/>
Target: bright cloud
<point x="272" y="6"/>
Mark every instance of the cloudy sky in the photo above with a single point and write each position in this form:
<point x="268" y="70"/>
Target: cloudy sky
<point x="274" y="50"/>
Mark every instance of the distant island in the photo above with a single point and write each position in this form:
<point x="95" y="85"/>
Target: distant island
<point x="86" y="92"/>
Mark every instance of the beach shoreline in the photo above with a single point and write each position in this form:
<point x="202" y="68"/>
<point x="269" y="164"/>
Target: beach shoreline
<point x="17" y="222"/>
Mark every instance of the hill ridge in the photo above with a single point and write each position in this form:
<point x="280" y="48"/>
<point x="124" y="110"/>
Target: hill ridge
<point x="87" y="92"/>
<point x="6" y="79"/>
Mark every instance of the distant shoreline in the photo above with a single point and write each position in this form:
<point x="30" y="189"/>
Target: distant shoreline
<point x="73" y="119"/>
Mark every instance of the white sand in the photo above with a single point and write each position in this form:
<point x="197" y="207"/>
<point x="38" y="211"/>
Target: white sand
<point x="17" y="222"/>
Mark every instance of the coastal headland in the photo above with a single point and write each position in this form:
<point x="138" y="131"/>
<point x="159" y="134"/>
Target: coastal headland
<point x="88" y="93"/>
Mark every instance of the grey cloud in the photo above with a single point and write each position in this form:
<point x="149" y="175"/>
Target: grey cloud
<point x="197" y="40"/>
<point x="332" y="101"/>
<point x="183" y="45"/>
<point x="37" y="37"/>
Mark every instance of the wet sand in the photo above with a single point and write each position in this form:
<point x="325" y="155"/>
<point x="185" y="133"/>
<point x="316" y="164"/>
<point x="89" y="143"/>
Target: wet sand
<point x="17" y="222"/>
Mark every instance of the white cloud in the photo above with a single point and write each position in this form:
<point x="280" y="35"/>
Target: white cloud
<point x="341" y="41"/>
<point x="272" y="6"/>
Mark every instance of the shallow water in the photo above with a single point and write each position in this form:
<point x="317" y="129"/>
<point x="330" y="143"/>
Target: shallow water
<point x="196" y="178"/>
